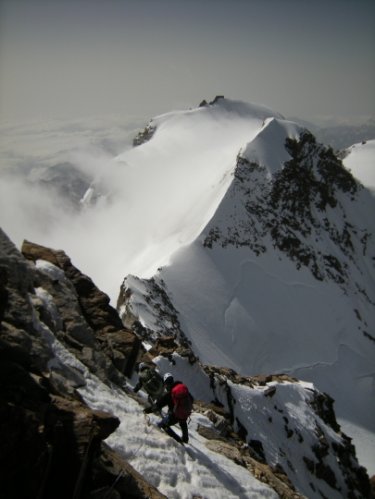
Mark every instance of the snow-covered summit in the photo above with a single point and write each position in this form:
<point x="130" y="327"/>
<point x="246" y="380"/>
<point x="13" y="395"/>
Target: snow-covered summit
<point x="219" y="109"/>
<point x="268" y="147"/>
<point x="182" y="171"/>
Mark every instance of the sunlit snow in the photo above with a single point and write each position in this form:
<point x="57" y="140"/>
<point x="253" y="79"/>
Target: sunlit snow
<point x="360" y="161"/>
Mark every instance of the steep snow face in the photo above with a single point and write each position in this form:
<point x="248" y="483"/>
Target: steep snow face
<point x="282" y="277"/>
<point x="360" y="160"/>
<point x="268" y="147"/>
<point x="176" y="179"/>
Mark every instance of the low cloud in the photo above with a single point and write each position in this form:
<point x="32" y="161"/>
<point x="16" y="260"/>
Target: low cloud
<point x="36" y="205"/>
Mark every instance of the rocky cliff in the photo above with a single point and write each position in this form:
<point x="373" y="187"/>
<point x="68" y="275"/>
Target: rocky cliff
<point x="52" y="444"/>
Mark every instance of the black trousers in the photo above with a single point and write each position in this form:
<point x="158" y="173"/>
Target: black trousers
<point x="170" y="420"/>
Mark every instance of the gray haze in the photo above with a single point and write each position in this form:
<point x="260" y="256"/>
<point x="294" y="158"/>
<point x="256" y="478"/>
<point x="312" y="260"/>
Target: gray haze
<point x="311" y="59"/>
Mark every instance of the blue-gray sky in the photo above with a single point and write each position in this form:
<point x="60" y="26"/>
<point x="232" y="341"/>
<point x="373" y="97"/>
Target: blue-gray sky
<point x="305" y="58"/>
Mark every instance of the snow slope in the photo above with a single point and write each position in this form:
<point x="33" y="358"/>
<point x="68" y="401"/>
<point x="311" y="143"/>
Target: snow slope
<point x="177" y="179"/>
<point x="176" y="471"/>
<point x="360" y="161"/>
<point x="282" y="410"/>
<point x="246" y="303"/>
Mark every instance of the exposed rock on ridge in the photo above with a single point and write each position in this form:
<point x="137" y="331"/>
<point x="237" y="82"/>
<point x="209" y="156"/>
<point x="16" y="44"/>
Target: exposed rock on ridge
<point x="144" y="135"/>
<point x="93" y="320"/>
<point x="51" y="442"/>
<point x="286" y="207"/>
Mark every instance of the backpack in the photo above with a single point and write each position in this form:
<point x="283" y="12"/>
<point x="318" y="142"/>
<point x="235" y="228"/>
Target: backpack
<point x="152" y="382"/>
<point x="182" y="402"/>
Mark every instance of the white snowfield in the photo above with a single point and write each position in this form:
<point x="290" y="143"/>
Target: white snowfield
<point x="360" y="161"/>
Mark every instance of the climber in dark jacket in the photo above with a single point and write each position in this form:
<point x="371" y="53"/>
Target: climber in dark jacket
<point x="171" y="418"/>
<point x="151" y="382"/>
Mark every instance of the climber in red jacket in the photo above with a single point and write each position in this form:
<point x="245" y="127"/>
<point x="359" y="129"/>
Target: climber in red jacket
<point x="179" y="402"/>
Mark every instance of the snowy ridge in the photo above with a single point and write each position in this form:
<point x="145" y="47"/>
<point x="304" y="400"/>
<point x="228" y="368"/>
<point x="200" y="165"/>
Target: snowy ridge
<point x="164" y="463"/>
<point x="306" y="207"/>
<point x="194" y="153"/>
<point x="275" y="132"/>
<point x="281" y="277"/>
<point x="287" y="411"/>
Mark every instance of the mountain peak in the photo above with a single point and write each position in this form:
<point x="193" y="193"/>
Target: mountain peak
<point x="220" y="110"/>
<point x="239" y="107"/>
<point x="284" y="185"/>
<point x="280" y="276"/>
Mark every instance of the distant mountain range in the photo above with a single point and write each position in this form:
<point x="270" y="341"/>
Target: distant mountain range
<point x="341" y="137"/>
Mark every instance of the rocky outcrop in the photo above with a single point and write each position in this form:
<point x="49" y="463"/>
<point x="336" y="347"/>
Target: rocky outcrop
<point x="144" y="135"/>
<point x="166" y="322"/>
<point x="86" y="317"/>
<point x="237" y="453"/>
<point x="51" y="443"/>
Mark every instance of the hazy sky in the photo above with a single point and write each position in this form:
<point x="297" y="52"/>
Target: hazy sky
<point x="304" y="58"/>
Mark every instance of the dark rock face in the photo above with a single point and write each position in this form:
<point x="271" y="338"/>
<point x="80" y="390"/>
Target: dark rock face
<point x="169" y="337"/>
<point x="294" y="208"/>
<point x="145" y="135"/>
<point x="216" y="99"/>
<point x="51" y="443"/>
<point x="89" y="320"/>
